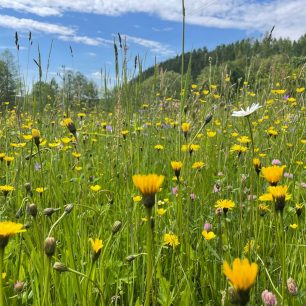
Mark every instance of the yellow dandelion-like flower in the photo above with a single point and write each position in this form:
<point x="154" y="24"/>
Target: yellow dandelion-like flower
<point x="176" y="165"/>
<point x="244" y="139"/>
<point x="293" y="226"/>
<point x="225" y="205"/>
<point x="76" y="154"/>
<point x="280" y="196"/>
<point x="238" y="148"/>
<point x="137" y="198"/>
<point x="211" y="134"/>
<point x="40" y="189"/>
<point x="272" y="174"/>
<point x="148" y="184"/>
<point x="161" y="211"/>
<point x="208" y="235"/>
<point x="6" y="189"/>
<point x="198" y="165"/>
<point x="185" y="127"/>
<point x="96" y="247"/>
<point x="8" y="229"/>
<point x="263" y="209"/>
<point x="243" y="274"/>
<point x="95" y="188"/>
<point x="158" y="147"/>
<point x="35" y="133"/>
<point x="300" y="89"/>
<point x="171" y="240"/>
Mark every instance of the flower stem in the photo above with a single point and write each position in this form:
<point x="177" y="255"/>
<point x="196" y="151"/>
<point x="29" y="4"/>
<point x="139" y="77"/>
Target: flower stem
<point x="251" y="135"/>
<point x="1" y="267"/>
<point x="149" y="260"/>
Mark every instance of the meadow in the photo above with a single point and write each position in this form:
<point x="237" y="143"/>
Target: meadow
<point x="188" y="201"/>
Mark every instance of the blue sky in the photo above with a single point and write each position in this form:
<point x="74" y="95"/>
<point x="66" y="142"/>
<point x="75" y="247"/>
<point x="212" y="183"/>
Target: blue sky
<point x="151" y="28"/>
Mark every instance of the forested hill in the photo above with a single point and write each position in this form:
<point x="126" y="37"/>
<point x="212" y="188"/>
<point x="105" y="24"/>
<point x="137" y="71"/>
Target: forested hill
<point x="238" y="53"/>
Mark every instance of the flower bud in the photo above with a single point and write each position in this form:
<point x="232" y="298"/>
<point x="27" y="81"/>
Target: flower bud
<point x="50" y="244"/>
<point x="32" y="210"/>
<point x="60" y="267"/>
<point x="116" y="227"/>
<point x="68" y="208"/>
<point x="49" y="211"/>
<point x="130" y="258"/>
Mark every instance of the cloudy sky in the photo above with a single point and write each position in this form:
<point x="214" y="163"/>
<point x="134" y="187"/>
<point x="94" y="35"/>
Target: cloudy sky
<point x="151" y="28"/>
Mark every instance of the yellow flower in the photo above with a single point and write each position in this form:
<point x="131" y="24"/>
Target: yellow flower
<point x="263" y="209"/>
<point x="300" y="89"/>
<point x="225" y="205"/>
<point x="279" y="195"/>
<point x="148" y="184"/>
<point x="66" y="140"/>
<point x="257" y="165"/>
<point x="35" y="133"/>
<point x="8" y="229"/>
<point x="243" y="274"/>
<point x="6" y="189"/>
<point x="161" y="211"/>
<point x="185" y="127"/>
<point x="198" y="165"/>
<point x="293" y="226"/>
<point x="96" y="246"/>
<point x="190" y="148"/>
<point x="18" y="145"/>
<point x="159" y="147"/>
<point x="137" y="198"/>
<point x="40" y="189"/>
<point x="238" y="148"/>
<point x="70" y="125"/>
<point x="208" y="235"/>
<point x="272" y="131"/>
<point x="211" y="134"/>
<point x="124" y="133"/>
<point x="76" y="154"/>
<point x="171" y="240"/>
<point x="95" y="188"/>
<point x="272" y="174"/>
<point x="81" y="115"/>
<point x="8" y="159"/>
<point x="67" y="122"/>
<point x="176" y="165"/>
<point x="244" y="139"/>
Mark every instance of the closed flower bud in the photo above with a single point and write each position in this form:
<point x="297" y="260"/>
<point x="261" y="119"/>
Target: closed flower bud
<point x="49" y="211"/>
<point x="68" y="208"/>
<point x="130" y="258"/>
<point x="32" y="210"/>
<point x="116" y="227"/>
<point x="60" y="267"/>
<point x="28" y="186"/>
<point x="50" y="244"/>
<point x="208" y="118"/>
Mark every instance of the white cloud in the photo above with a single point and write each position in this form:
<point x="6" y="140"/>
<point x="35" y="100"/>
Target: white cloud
<point x="166" y="29"/>
<point x="287" y="16"/>
<point x="62" y="32"/>
<point x="155" y="47"/>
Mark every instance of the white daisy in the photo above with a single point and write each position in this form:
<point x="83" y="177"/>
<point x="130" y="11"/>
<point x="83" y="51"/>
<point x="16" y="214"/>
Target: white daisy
<point x="247" y="112"/>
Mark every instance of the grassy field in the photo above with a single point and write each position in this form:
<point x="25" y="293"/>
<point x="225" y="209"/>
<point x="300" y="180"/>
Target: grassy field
<point x="96" y="235"/>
